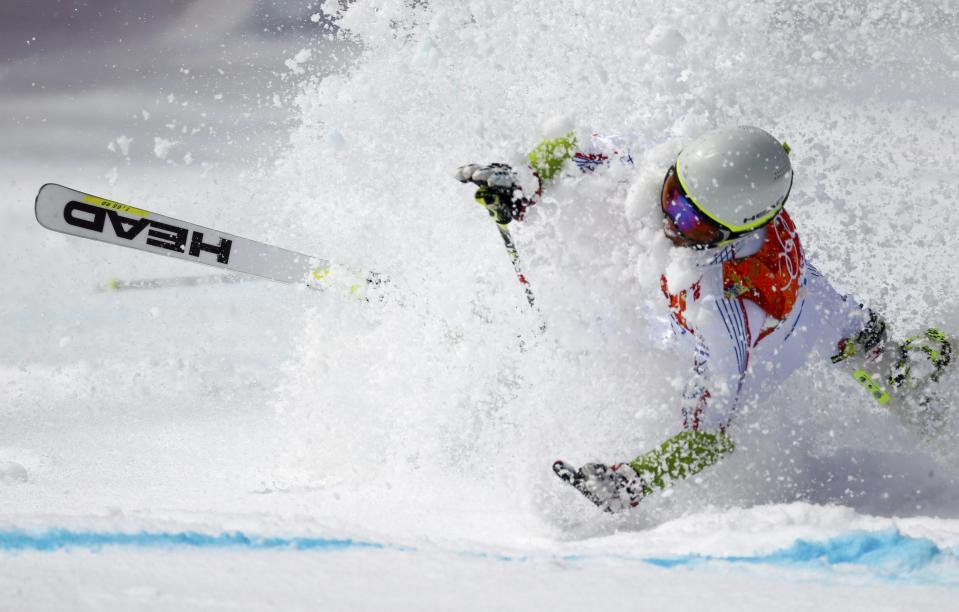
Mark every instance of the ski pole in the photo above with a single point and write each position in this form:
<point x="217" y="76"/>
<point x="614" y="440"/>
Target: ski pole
<point x="517" y="264"/>
<point x="116" y="284"/>
<point x="520" y="275"/>
<point x="489" y="196"/>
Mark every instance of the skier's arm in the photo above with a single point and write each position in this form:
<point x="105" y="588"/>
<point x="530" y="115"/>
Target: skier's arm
<point x="499" y="187"/>
<point x="547" y="158"/>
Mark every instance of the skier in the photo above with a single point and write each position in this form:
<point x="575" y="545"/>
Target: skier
<point x="740" y="321"/>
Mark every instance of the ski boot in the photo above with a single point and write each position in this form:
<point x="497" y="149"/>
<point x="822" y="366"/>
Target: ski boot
<point x="903" y="376"/>
<point x="922" y="362"/>
<point x="612" y="488"/>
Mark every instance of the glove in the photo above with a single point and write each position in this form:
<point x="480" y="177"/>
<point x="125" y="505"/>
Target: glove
<point x="498" y="190"/>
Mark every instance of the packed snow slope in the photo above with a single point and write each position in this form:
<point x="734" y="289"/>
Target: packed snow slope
<point x="195" y="446"/>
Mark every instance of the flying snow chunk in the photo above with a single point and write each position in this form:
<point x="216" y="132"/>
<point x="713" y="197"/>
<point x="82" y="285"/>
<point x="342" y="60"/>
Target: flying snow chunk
<point x="665" y="41"/>
<point x="11" y="472"/>
<point x="295" y="62"/>
<point x="124" y="142"/>
<point x="162" y="146"/>
<point x="330" y="7"/>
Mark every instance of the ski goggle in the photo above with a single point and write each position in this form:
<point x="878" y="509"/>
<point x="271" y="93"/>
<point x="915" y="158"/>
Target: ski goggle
<point x="693" y="227"/>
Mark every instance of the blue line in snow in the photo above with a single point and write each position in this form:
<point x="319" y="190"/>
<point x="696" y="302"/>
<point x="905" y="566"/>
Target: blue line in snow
<point x="57" y="539"/>
<point x="887" y="554"/>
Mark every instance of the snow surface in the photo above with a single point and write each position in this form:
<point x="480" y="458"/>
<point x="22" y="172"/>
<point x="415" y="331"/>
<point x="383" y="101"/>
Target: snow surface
<point x="258" y="446"/>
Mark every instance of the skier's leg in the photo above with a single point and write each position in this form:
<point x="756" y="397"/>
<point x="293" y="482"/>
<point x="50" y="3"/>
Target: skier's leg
<point x="623" y="485"/>
<point x="720" y="347"/>
<point x="741" y="356"/>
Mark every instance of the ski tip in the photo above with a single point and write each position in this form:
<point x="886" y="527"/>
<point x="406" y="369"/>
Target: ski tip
<point x="46" y="185"/>
<point x="47" y="191"/>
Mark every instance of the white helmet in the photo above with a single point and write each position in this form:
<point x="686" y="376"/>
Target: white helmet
<point x="739" y="177"/>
